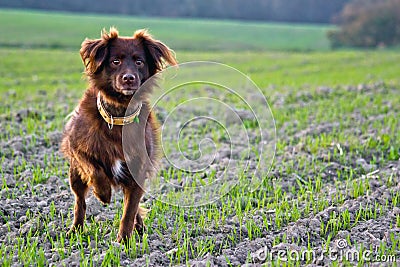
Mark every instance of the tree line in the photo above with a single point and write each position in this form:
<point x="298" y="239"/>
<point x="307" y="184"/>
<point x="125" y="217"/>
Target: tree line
<point x="368" y="23"/>
<point x="362" y="23"/>
<point x="306" y="11"/>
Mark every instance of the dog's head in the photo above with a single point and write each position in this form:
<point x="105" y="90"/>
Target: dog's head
<point x="119" y="65"/>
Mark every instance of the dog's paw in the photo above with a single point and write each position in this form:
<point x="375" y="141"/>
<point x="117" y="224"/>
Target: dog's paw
<point x="74" y="229"/>
<point x="103" y="196"/>
<point x="123" y="238"/>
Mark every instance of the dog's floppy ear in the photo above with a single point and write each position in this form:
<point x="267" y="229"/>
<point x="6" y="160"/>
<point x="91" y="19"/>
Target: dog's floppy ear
<point x="158" y="53"/>
<point x="94" y="52"/>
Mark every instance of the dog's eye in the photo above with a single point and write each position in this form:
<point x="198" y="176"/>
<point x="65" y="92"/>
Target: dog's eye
<point x="139" y="62"/>
<point x="116" y="62"/>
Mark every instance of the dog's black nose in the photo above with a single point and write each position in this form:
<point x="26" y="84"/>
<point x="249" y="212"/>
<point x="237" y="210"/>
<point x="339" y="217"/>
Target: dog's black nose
<point x="128" y="77"/>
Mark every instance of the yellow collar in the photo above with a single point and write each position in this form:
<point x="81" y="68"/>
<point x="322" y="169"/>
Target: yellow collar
<point x="116" y="120"/>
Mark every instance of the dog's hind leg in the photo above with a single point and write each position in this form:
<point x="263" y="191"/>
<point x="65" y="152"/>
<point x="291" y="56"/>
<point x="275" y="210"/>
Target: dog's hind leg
<point x="79" y="188"/>
<point x="139" y="224"/>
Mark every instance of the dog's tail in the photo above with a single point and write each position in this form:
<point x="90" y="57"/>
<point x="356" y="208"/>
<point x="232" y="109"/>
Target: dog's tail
<point x="143" y="212"/>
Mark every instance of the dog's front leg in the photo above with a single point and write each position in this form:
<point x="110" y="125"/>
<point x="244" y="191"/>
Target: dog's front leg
<point x="79" y="188"/>
<point x="132" y="196"/>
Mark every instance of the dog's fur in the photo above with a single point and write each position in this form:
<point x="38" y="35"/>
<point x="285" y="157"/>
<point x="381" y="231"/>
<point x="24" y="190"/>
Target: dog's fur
<point x="116" y="67"/>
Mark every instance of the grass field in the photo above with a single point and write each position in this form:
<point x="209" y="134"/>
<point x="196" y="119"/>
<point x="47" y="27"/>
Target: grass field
<point x="335" y="177"/>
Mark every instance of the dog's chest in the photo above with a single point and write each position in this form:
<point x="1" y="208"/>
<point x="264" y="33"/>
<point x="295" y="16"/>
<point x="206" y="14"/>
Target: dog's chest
<point x="119" y="170"/>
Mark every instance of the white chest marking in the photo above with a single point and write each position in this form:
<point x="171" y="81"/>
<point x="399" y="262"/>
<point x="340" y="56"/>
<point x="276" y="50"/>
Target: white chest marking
<point x="117" y="170"/>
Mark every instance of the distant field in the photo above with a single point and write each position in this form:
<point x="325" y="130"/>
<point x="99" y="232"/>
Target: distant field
<point x="58" y="30"/>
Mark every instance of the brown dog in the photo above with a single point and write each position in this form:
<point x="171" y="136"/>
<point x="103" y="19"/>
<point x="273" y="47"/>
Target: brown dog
<point x="93" y="138"/>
